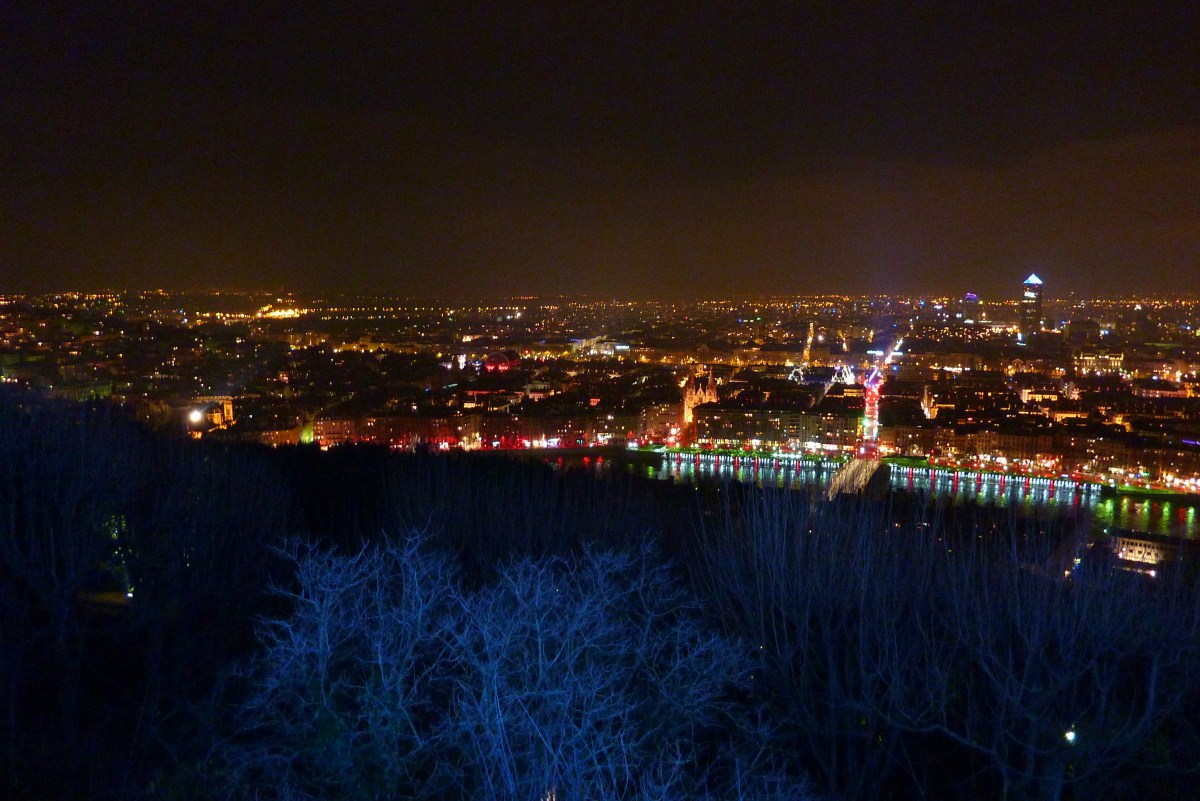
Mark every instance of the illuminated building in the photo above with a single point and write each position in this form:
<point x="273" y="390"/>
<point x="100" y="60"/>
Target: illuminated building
<point x="1156" y="388"/>
<point x="970" y="309"/>
<point x="697" y="392"/>
<point x="215" y="410"/>
<point x="1031" y="307"/>
<point x="731" y="426"/>
<point x="334" y="430"/>
<point x="1096" y="360"/>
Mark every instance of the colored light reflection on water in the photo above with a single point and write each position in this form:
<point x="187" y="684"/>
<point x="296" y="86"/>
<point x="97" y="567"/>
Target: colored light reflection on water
<point x="1030" y="495"/>
<point x="1170" y="518"/>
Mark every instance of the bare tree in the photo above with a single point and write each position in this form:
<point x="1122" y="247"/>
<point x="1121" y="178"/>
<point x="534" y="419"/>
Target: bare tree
<point x="583" y="678"/>
<point x="832" y="600"/>
<point x="1059" y="681"/>
<point x="340" y="702"/>
<point x="892" y="645"/>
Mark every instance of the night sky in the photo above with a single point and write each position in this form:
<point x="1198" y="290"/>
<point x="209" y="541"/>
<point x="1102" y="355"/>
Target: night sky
<point x="621" y="150"/>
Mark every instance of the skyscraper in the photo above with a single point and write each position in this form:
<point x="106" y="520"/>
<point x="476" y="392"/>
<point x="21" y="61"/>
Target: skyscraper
<point x="1031" y="306"/>
<point x="970" y="308"/>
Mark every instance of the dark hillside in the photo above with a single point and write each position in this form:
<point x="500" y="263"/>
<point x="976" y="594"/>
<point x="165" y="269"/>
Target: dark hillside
<point x="494" y="628"/>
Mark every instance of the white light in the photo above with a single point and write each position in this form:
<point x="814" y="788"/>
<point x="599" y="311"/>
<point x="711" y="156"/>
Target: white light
<point x="1070" y="736"/>
<point x="196" y="416"/>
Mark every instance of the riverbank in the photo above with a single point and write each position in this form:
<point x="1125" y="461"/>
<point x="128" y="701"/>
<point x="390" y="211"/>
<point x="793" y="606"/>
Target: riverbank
<point x="1104" y="489"/>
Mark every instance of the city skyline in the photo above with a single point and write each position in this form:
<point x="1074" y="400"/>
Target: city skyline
<point x="682" y="153"/>
<point x="145" y="435"/>
<point x="1002" y="386"/>
<point x="564" y="400"/>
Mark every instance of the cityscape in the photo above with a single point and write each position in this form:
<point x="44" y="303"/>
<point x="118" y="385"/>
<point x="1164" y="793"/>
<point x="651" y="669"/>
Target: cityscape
<point x="590" y="401"/>
<point x="1104" y="391"/>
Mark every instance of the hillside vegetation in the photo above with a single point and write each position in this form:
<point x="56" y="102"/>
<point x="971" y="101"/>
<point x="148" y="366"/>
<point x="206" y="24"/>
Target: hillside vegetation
<point x="180" y="619"/>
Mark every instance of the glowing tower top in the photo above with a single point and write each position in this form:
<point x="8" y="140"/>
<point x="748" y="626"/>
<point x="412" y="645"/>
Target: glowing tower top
<point x="1031" y="307"/>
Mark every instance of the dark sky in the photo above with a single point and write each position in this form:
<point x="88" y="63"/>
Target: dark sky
<point x="618" y="149"/>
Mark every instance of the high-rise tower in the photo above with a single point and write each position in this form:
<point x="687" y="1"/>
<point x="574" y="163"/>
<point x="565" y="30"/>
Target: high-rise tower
<point x="1031" y="307"/>
<point x="970" y="308"/>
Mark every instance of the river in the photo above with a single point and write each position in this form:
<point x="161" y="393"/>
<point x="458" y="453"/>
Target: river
<point x="1163" y="516"/>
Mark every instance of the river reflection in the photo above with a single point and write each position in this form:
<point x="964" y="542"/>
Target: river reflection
<point x="1032" y="496"/>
